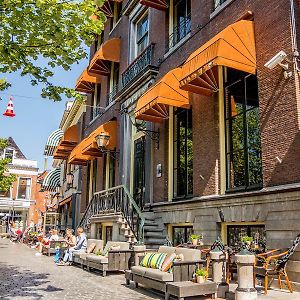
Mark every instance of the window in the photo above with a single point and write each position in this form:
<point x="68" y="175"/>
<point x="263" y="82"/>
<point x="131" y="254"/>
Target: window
<point x="94" y="176"/>
<point x="243" y="147"/>
<point x="180" y="19"/>
<point x="236" y="232"/>
<point x="181" y="234"/>
<point x="24" y="188"/>
<point x="183" y="153"/>
<point x="109" y="171"/>
<point x="95" y="109"/>
<point x="142" y="34"/>
<point x="117" y="9"/>
<point x="108" y="233"/>
<point x="9" y="154"/>
<point x="113" y="82"/>
<point x="219" y="3"/>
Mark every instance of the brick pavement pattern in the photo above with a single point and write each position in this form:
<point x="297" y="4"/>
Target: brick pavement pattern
<point x="26" y="276"/>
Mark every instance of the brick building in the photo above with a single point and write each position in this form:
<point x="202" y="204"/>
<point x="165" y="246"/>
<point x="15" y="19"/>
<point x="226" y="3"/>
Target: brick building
<point x="15" y="203"/>
<point x="186" y="123"/>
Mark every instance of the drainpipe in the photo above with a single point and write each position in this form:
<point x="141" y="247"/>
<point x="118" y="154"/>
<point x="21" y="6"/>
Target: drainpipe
<point x="294" y="37"/>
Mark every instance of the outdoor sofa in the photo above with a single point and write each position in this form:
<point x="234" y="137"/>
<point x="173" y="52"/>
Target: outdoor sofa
<point x="181" y="271"/>
<point x="115" y="256"/>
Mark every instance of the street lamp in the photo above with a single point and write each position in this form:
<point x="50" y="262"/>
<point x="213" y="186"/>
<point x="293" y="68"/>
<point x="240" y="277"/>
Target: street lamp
<point x="70" y="180"/>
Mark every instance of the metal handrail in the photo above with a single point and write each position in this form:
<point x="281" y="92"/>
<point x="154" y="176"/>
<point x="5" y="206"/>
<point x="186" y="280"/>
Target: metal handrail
<point x="119" y="200"/>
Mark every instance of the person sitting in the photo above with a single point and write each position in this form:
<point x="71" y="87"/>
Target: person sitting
<point x="80" y="246"/>
<point x="70" y="239"/>
<point x="45" y="241"/>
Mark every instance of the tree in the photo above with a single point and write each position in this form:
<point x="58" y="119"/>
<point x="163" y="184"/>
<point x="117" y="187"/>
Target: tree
<point x="6" y="179"/>
<point x="37" y="36"/>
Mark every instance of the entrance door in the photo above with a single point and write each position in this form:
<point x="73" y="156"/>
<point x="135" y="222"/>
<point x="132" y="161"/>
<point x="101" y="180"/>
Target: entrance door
<point x="139" y="172"/>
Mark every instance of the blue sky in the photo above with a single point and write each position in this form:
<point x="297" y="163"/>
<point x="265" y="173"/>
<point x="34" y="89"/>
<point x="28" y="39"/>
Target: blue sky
<point x="35" y="117"/>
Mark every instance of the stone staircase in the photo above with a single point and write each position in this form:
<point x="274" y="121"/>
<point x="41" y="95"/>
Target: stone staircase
<point x="126" y="231"/>
<point x="154" y="232"/>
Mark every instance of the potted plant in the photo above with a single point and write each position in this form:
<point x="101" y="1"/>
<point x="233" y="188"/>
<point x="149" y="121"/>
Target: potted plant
<point x="247" y="240"/>
<point x="194" y="238"/>
<point x="201" y="275"/>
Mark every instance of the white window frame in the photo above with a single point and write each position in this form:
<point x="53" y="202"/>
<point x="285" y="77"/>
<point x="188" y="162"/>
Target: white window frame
<point x="137" y="15"/>
<point x="10" y="149"/>
<point x="30" y="187"/>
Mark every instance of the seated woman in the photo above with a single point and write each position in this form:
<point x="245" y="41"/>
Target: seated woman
<point x="45" y="241"/>
<point x="70" y="239"/>
<point x="80" y="246"/>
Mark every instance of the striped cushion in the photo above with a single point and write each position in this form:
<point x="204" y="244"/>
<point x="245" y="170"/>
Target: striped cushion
<point x="168" y="263"/>
<point x="153" y="260"/>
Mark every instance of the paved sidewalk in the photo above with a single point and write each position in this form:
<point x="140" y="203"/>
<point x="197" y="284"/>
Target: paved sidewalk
<point x="26" y="276"/>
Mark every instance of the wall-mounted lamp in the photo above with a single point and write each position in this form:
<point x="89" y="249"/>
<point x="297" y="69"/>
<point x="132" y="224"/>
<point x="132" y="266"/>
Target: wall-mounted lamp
<point x="102" y="141"/>
<point x="140" y="126"/>
<point x="70" y="180"/>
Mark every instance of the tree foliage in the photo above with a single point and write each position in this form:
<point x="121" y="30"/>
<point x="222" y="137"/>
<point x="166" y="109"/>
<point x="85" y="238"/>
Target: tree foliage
<point x="6" y="179"/>
<point x="52" y="31"/>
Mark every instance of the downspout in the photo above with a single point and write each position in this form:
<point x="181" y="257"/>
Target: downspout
<point x="294" y="37"/>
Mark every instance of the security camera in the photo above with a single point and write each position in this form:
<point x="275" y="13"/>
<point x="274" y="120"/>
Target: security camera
<point x="277" y="60"/>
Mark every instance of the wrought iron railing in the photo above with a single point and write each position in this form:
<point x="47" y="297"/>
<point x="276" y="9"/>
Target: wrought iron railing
<point x="179" y="32"/>
<point x="218" y="3"/>
<point x="138" y="66"/>
<point x="135" y="69"/>
<point x="116" y="200"/>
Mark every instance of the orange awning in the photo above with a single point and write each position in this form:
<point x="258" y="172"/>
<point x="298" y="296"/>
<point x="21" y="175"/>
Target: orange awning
<point x="108" y="8"/>
<point x="234" y="47"/>
<point x="90" y="146"/>
<point x="67" y="143"/>
<point x="158" y="4"/>
<point x="86" y="83"/>
<point x="108" y="52"/>
<point x="153" y="105"/>
<point x="77" y="158"/>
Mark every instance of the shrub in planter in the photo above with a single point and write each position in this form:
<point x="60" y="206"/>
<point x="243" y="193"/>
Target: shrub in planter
<point x="201" y="275"/>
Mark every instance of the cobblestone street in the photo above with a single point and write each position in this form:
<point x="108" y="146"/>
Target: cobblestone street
<point x="24" y="275"/>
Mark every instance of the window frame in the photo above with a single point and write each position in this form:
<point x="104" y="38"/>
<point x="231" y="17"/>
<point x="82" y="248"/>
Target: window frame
<point x="185" y="227"/>
<point x="13" y="153"/>
<point x="176" y="141"/>
<point x="27" y="186"/>
<point x="228" y="137"/>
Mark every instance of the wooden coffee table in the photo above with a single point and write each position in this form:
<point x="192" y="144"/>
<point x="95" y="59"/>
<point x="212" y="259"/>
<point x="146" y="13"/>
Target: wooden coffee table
<point x="188" y="289"/>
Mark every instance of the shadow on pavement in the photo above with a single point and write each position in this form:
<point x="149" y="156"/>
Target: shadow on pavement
<point x="23" y="283"/>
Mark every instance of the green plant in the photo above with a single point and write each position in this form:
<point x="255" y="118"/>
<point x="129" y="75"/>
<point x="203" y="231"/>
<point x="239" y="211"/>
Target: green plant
<point x="99" y="253"/>
<point x="246" y="238"/>
<point x="201" y="272"/>
<point x="194" y="236"/>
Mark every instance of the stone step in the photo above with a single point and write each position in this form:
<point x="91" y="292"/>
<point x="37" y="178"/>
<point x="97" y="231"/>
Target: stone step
<point x="154" y="241"/>
<point x="155" y="234"/>
<point x="152" y="229"/>
<point x="150" y="223"/>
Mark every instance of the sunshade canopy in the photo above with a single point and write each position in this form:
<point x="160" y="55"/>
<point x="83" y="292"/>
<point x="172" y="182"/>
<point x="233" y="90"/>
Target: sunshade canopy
<point x="53" y="141"/>
<point x="86" y="83"/>
<point x="153" y="105"/>
<point x="108" y="52"/>
<point x="158" y="4"/>
<point x="88" y="148"/>
<point x="108" y="8"/>
<point x="67" y="143"/>
<point x="51" y="180"/>
<point x="233" y="47"/>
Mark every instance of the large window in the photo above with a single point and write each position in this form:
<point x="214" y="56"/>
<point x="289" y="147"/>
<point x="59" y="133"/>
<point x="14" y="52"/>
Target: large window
<point x="236" y="232"/>
<point x="180" y="19"/>
<point x="24" y="188"/>
<point x="142" y="34"/>
<point x="243" y="147"/>
<point x="183" y="153"/>
<point x="181" y="234"/>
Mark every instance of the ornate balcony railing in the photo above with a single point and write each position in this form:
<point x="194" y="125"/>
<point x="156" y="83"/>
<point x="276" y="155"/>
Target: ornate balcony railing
<point x="134" y="70"/>
<point x="116" y="200"/>
<point x="179" y="32"/>
<point x="96" y="111"/>
<point x="138" y="66"/>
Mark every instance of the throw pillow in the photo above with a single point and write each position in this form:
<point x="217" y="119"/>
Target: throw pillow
<point x="91" y="248"/>
<point x="167" y="264"/>
<point x="153" y="260"/>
